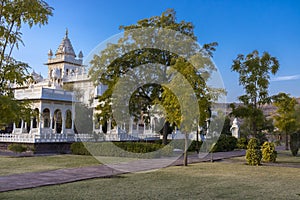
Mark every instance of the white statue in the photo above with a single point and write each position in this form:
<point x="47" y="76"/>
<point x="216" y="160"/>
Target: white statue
<point x="235" y="128"/>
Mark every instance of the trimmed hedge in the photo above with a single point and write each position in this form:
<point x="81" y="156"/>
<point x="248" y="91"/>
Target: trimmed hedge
<point x="122" y="149"/>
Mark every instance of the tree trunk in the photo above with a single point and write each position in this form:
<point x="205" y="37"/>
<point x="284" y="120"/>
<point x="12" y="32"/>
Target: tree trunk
<point x="286" y="141"/>
<point x="254" y="128"/>
<point x="166" y="132"/>
<point x="197" y="141"/>
<point x="185" y="156"/>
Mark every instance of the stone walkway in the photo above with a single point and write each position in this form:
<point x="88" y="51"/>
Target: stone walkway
<point x="37" y="179"/>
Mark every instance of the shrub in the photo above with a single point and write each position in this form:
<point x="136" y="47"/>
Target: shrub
<point x="295" y="143"/>
<point x="253" y="153"/>
<point x="268" y="152"/>
<point x="225" y="143"/>
<point x="17" y="148"/>
<point x="78" y="148"/>
<point x="242" y="143"/>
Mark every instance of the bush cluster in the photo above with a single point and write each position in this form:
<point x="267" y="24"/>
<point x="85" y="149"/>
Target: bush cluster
<point x="268" y="152"/>
<point x="253" y="153"/>
<point x="295" y="143"/>
<point x="225" y="143"/>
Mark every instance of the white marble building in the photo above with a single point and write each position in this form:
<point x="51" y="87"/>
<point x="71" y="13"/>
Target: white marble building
<point x="54" y="97"/>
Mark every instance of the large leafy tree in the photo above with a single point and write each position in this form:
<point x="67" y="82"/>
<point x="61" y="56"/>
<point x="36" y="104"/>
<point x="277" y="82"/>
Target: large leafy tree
<point x="114" y="62"/>
<point x="254" y="75"/>
<point x="13" y="15"/>
<point x="285" y="116"/>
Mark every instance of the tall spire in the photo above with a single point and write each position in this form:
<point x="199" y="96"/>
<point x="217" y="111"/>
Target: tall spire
<point x="65" y="47"/>
<point x="67" y="32"/>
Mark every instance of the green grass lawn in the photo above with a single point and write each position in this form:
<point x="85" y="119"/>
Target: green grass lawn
<point x="286" y="157"/>
<point x="198" y="181"/>
<point x="14" y="165"/>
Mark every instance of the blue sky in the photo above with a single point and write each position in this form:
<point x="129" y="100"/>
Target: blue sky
<point x="238" y="27"/>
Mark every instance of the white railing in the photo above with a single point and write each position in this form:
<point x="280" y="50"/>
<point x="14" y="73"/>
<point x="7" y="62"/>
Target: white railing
<point x="31" y="138"/>
<point x="67" y="137"/>
<point x="46" y="93"/>
<point x="26" y="138"/>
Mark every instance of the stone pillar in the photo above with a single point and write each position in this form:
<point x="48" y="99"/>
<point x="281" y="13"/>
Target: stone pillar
<point x="100" y="128"/>
<point x="14" y="127"/>
<point x="31" y="123"/>
<point x="22" y="124"/>
<point x="63" y="122"/>
<point x="40" y="125"/>
<point x="130" y="125"/>
<point x="51" y="120"/>
<point x="54" y="125"/>
<point x="41" y="122"/>
<point x="72" y="125"/>
<point x="109" y="126"/>
<point x="25" y="128"/>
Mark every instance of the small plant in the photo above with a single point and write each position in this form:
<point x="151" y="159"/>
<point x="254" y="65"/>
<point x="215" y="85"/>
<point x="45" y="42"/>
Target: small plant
<point x="268" y="152"/>
<point x="17" y="148"/>
<point x="253" y="153"/>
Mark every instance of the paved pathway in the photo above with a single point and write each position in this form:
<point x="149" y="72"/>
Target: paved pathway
<point x="37" y="179"/>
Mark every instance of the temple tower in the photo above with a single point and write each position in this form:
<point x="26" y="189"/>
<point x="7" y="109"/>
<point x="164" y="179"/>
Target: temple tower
<point x="64" y="64"/>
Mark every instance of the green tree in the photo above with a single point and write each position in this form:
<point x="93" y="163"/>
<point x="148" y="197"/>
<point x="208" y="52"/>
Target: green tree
<point x="121" y="62"/>
<point x="13" y="15"/>
<point x="285" y="118"/>
<point x="254" y="75"/>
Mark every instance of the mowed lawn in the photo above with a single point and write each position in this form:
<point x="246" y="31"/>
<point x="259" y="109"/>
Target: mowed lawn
<point x="219" y="180"/>
<point x="15" y="165"/>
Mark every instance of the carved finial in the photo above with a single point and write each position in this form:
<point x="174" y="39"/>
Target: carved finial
<point x="67" y="32"/>
<point x="80" y="55"/>
<point x="50" y="53"/>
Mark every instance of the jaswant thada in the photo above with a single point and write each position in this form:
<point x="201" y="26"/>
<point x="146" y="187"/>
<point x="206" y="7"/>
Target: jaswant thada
<point x="54" y="99"/>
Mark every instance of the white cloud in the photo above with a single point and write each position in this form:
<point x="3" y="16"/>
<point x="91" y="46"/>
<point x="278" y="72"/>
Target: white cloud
<point x="287" y="78"/>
